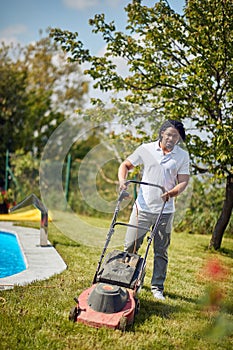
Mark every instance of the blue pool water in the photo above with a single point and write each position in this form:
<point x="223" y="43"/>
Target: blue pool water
<point x="11" y="257"/>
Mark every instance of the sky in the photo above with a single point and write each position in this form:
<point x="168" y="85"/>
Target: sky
<point x="22" y="20"/>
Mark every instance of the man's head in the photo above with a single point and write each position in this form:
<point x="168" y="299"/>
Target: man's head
<point x="170" y="134"/>
<point x="173" y="124"/>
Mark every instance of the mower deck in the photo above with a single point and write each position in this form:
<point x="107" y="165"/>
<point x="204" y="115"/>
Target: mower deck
<point x="83" y="313"/>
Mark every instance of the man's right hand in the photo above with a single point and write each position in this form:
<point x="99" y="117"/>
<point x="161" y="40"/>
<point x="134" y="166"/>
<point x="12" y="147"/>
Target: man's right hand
<point x="122" y="185"/>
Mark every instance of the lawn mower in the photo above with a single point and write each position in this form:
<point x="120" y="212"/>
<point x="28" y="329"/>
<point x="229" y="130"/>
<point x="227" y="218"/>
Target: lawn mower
<point x="112" y="300"/>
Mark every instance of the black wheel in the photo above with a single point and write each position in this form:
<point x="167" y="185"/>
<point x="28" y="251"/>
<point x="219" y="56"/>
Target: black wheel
<point x="123" y="323"/>
<point x="73" y="314"/>
<point x="137" y="306"/>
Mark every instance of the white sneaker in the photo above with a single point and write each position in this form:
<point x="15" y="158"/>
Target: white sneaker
<point x="158" y="294"/>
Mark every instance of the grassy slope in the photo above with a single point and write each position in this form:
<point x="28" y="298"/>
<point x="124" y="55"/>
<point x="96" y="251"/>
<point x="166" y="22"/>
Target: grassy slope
<point x="36" y="316"/>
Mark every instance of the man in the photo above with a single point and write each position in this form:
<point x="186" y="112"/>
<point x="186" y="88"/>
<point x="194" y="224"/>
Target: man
<point x="165" y="164"/>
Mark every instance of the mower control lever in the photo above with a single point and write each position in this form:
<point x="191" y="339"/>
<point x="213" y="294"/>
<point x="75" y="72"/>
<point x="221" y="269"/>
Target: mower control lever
<point x="123" y="194"/>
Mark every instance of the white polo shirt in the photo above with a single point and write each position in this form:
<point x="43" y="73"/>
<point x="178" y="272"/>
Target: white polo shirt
<point x="160" y="169"/>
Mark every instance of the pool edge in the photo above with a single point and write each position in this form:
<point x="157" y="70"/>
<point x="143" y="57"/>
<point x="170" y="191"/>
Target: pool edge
<point x="42" y="262"/>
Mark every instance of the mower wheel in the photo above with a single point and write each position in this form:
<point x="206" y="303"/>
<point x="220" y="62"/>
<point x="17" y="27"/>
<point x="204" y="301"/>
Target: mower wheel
<point x="123" y="323"/>
<point x="137" y="305"/>
<point x="73" y="314"/>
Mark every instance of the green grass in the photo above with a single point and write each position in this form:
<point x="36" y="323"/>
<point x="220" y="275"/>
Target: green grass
<point x="36" y="316"/>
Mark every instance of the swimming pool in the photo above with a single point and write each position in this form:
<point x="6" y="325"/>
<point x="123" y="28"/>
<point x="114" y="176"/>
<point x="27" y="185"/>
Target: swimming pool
<point x="11" y="257"/>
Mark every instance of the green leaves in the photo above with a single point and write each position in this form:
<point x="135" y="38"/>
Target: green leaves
<point x="180" y="66"/>
<point x="38" y="89"/>
<point x="69" y="44"/>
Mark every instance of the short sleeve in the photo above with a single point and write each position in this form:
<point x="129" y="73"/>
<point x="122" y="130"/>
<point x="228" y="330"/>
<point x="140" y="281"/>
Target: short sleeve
<point x="136" y="157"/>
<point x="184" y="167"/>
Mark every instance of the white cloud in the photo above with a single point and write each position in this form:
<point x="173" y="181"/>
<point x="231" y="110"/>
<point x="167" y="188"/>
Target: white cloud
<point x="80" y="4"/>
<point x="11" y="34"/>
<point x="116" y="3"/>
<point x="85" y="4"/>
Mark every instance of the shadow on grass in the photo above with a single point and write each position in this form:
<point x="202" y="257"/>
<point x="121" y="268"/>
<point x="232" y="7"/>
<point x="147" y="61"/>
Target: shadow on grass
<point x="181" y="297"/>
<point x="153" y="308"/>
<point x="224" y="251"/>
<point x="66" y="244"/>
<point x="227" y="252"/>
<point x="175" y="296"/>
<point x="163" y="309"/>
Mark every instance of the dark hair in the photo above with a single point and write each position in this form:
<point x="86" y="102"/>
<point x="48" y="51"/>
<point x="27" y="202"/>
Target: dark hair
<point x="173" y="124"/>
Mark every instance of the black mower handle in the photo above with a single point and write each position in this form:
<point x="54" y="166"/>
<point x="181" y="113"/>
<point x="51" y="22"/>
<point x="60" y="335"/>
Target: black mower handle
<point x="124" y="194"/>
<point x="144" y="183"/>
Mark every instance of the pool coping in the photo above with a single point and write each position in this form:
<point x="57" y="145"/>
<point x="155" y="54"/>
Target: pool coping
<point x="41" y="262"/>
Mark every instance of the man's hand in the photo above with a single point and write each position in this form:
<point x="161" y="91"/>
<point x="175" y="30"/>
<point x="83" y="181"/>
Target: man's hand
<point x="123" y="172"/>
<point x="122" y="185"/>
<point x="165" y="197"/>
<point x="179" y="188"/>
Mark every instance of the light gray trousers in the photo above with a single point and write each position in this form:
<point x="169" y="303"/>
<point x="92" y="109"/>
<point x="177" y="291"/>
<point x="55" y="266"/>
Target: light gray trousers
<point x="134" y="238"/>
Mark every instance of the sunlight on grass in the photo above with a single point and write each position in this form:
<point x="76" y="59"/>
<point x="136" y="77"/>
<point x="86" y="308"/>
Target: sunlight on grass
<point x="87" y="230"/>
<point x="36" y="316"/>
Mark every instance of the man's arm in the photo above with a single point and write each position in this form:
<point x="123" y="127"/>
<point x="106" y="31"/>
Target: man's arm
<point x="123" y="172"/>
<point x="182" y="180"/>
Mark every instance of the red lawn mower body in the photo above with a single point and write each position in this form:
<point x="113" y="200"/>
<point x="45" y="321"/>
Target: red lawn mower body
<point x="112" y="300"/>
<point x="84" y="313"/>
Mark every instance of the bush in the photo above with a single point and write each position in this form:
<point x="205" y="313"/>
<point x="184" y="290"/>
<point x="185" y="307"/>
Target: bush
<point x="204" y="207"/>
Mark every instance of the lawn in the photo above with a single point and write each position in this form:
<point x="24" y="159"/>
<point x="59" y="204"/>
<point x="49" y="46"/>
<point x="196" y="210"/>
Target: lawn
<point x="197" y="312"/>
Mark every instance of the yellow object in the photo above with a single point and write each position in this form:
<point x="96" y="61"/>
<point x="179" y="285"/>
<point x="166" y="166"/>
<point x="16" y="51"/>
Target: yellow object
<point x="29" y="215"/>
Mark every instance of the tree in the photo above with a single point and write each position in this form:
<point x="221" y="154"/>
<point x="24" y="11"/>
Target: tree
<point x="12" y="102"/>
<point x="181" y="67"/>
<point x="38" y="90"/>
<point x="25" y="168"/>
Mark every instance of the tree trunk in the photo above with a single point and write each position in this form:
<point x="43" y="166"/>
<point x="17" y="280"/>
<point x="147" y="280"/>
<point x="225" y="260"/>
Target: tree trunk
<point x="224" y="218"/>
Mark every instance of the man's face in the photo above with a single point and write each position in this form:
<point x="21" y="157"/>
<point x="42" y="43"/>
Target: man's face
<point x="169" y="139"/>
